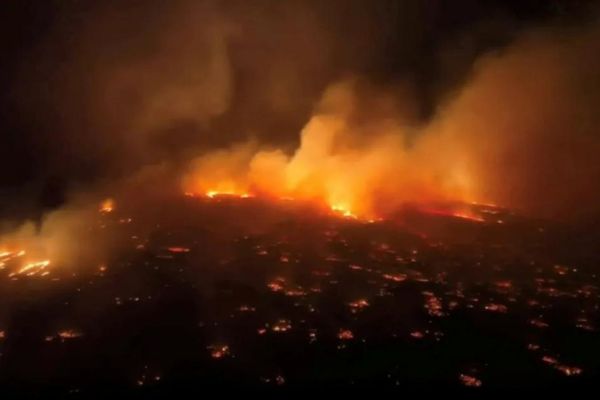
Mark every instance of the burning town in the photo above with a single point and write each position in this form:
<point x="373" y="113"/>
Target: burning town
<point x="275" y="196"/>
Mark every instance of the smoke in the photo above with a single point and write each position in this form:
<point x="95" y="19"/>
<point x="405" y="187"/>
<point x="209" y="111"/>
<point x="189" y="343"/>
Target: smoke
<point x="525" y="126"/>
<point x="521" y="132"/>
<point x="71" y="236"/>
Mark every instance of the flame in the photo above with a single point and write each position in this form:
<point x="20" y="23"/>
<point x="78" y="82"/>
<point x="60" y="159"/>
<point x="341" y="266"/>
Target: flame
<point x="342" y="210"/>
<point x="32" y="268"/>
<point x="8" y="258"/>
<point x="107" y="206"/>
<point x="215" y="193"/>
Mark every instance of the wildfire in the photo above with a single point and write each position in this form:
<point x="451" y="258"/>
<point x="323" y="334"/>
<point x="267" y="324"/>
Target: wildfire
<point x="359" y="179"/>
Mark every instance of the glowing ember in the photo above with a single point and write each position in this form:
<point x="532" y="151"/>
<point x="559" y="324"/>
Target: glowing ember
<point x="549" y="360"/>
<point x="584" y="324"/>
<point x="504" y="284"/>
<point x="358" y="304"/>
<point x="295" y="293"/>
<point x="433" y="305"/>
<point x="538" y="323"/>
<point x="469" y="380"/>
<point x="417" y="334"/>
<point x="569" y="370"/>
<point x="276" y="285"/>
<point x="219" y="351"/>
<point x="499" y="308"/>
<point x="178" y="250"/>
<point x="69" y="334"/>
<point x="561" y="270"/>
<point x="283" y="325"/>
<point x="345" y="334"/>
<point x="395" y="277"/>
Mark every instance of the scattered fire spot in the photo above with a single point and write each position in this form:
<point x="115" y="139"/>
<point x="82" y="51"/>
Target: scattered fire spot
<point x="179" y="249"/>
<point x="276" y="285"/>
<point x="395" y="277"/>
<point x="549" y="360"/>
<point x="568" y="370"/>
<point x="283" y="325"/>
<point x="538" y="323"/>
<point x="358" y="305"/>
<point x="107" y="206"/>
<point x="218" y="351"/>
<point x="469" y="380"/>
<point x="499" y="308"/>
<point x="345" y="334"/>
<point x="417" y="335"/>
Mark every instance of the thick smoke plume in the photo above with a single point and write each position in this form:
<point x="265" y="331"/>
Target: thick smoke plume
<point x="354" y="156"/>
<point x="521" y="132"/>
<point x="525" y="126"/>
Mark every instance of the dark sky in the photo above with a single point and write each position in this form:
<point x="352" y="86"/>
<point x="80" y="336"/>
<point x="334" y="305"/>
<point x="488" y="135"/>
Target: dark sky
<point x="82" y="83"/>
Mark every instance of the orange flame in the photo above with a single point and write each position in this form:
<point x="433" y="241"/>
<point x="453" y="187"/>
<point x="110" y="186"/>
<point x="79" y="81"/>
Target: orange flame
<point x="107" y="206"/>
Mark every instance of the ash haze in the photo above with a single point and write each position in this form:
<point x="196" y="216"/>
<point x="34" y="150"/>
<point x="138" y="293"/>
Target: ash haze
<point x="359" y="104"/>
